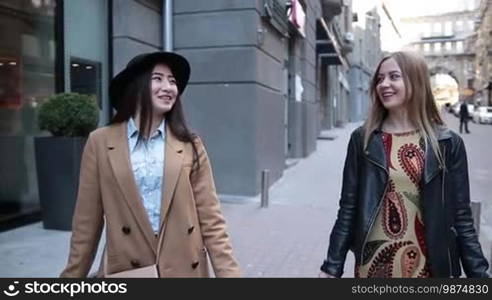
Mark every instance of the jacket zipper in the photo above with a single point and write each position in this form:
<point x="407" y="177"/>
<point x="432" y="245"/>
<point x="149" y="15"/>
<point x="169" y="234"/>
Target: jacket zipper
<point x="447" y="246"/>
<point x="442" y="201"/>
<point x="374" y="215"/>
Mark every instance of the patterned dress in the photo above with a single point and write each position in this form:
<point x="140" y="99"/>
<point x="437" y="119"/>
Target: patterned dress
<point x="396" y="246"/>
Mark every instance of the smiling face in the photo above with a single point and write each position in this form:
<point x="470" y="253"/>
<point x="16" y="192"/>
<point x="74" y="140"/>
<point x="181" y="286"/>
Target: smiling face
<point x="390" y="86"/>
<point x="163" y="89"/>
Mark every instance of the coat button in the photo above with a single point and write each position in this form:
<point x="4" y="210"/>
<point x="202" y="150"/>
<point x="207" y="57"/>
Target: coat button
<point x="195" y="264"/>
<point x="135" y="263"/>
<point x="126" y="229"/>
<point x="190" y="230"/>
<point x="366" y="152"/>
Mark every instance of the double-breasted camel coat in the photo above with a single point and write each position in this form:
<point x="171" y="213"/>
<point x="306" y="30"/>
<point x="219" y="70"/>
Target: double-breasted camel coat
<point x="191" y="219"/>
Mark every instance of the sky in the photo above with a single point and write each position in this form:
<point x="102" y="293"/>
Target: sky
<point x="413" y="8"/>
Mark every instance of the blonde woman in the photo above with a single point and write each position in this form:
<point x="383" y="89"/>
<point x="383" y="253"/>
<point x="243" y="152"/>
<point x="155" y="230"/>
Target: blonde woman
<point x="405" y="201"/>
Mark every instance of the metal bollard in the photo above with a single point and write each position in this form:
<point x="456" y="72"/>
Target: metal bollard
<point x="490" y="261"/>
<point x="476" y="208"/>
<point x="264" y="188"/>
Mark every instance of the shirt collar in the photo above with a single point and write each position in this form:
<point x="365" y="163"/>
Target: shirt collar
<point x="132" y="130"/>
<point x="160" y="129"/>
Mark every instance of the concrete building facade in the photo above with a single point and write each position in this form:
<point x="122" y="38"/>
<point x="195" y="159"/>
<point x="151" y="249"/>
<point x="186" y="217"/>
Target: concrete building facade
<point x="483" y="57"/>
<point x="364" y="59"/>
<point x="334" y="43"/>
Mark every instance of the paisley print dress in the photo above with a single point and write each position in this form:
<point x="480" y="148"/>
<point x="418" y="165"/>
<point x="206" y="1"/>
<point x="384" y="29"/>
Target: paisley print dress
<point x="396" y="246"/>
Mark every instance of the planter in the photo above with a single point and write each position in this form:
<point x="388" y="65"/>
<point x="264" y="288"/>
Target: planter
<point x="58" y="167"/>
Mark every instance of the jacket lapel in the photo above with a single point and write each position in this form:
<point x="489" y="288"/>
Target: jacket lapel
<point x="119" y="158"/>
<point x="375" y="150"/>
<point x="431" y="163"/>
<point x="174" y="154"/>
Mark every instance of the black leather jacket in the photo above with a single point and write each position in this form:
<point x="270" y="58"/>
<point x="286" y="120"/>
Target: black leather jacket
<point x="449" y="231"/>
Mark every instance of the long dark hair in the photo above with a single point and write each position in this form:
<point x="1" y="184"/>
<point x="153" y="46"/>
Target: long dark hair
<point x="137" y="97"/>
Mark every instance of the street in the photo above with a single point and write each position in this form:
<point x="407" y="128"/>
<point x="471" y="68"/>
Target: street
<point x="478" y="143"/>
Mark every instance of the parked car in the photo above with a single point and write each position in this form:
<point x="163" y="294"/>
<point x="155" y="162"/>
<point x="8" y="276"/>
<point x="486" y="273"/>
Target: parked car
<point x="473" y="113"/>
<point x="456" y="109"/>
<point x="483" y="114"/>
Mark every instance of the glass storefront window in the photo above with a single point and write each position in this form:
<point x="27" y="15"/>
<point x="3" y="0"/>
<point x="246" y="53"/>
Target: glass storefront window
<point x="86" y="50"/>
<point x="85" y="77"/>
<point x="37" y="61"/>
<point x="27" y="76"/>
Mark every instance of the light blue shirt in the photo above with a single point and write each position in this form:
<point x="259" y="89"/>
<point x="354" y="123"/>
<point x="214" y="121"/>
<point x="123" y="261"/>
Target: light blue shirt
<point x="147" y="160"/>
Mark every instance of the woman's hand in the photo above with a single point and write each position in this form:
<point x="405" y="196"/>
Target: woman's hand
<point x="325" y="275"/>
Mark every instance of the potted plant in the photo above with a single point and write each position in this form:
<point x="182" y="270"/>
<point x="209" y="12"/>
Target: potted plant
<point x="69" y="117"/>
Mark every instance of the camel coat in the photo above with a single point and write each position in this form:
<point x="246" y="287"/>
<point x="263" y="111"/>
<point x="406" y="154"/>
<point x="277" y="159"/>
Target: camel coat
<point x="191" y="219"/>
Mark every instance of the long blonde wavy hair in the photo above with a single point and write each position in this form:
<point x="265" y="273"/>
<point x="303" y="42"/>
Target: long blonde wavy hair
<point x="420" y="104"/>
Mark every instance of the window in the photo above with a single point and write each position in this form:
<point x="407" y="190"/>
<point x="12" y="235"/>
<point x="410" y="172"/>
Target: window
<point x="85" y="77"/>
<point x="437" y="47"/>
<point x="426" y="29"/>
<point x="86" y="68"/>
<point x="449" y="46"/>
<point x="437" y="28"/>
<point x="448" y="28"/>
<point x="459" y="25"/>
<point x="426" y="47"/>
<point x="31" y="46"/>
<point x="27" y="78"/>
<point x="459" y="46"/>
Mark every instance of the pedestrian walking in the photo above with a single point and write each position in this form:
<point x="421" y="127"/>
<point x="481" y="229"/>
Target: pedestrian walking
<point x="148" y="180"/>
<point x="464" y="116"/>
<point x="405" y="200"/>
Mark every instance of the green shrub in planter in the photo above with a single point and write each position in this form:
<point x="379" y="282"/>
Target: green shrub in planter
<point x="69" y="115"/>
<point x="70" y="118"/>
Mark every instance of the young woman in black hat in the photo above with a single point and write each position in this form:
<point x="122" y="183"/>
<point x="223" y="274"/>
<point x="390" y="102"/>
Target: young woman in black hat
<point x="148" y="180"/>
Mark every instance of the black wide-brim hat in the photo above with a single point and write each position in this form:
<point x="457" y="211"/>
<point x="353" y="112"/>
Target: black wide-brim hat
<point x="178" y="64"/>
